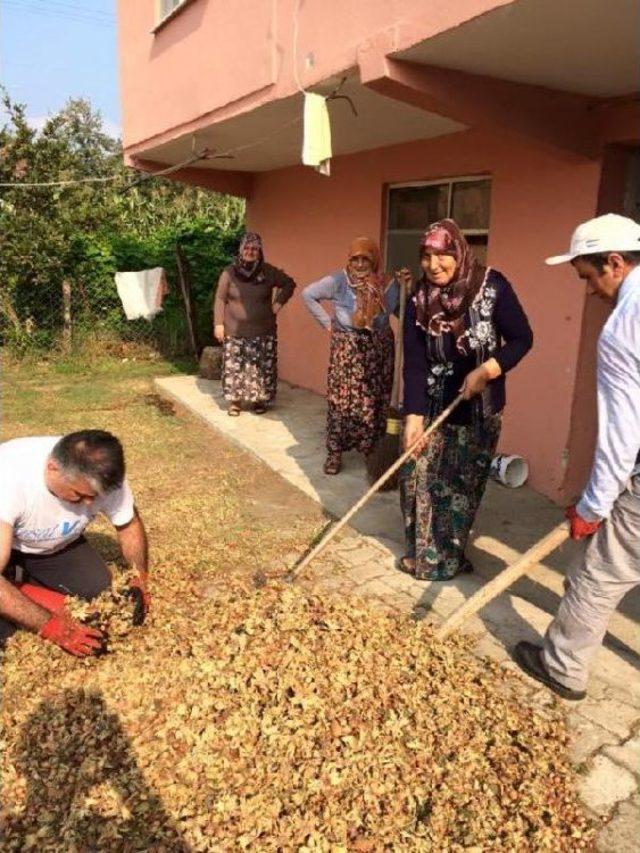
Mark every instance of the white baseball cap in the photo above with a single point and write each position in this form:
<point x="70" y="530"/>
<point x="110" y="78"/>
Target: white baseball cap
<point x="608" y="233"/>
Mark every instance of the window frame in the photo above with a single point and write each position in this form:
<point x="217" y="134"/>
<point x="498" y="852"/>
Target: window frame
<point x="161" y="22"/>
<point x="461" y="179"/>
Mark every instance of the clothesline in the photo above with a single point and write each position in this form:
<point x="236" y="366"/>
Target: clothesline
<point x="205" y="155"/>
<point x="228" y="153"/>
<point x="69" y="182"/>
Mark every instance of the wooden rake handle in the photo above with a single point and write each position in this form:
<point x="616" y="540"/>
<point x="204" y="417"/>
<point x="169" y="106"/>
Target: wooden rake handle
<point x="506" y="577"/>
<point x="295" y="571"/>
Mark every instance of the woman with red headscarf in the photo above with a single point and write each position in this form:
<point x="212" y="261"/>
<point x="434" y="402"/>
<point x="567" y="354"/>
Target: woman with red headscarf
<point x="361" y="356"/>
<point x="464" y="329"/>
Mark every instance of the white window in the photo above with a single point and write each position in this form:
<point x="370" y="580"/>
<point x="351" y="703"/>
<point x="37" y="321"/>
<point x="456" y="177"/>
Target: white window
<point x="166" y="9"/>
<point x="412" y="207"/>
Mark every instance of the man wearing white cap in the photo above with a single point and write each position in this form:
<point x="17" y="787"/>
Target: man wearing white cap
<point x="605" y="253"/>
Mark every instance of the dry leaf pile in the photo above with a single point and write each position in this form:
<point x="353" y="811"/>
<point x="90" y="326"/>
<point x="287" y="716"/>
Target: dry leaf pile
<point x="111" y="612"/>
<point x="276" y="719"/>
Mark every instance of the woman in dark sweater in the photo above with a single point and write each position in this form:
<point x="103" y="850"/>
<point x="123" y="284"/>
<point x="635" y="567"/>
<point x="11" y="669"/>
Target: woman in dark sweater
<point x="464" y="329"/>
<point x="250" y="293"/>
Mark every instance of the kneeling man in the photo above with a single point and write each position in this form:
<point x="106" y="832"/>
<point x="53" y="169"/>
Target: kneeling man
<point x="50" y="489"/>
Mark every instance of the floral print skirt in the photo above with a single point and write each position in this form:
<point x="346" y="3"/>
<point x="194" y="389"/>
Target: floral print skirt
<point x="359" y="388"/>
<point x="440" y="494"/>
<point x="250" y="369"/>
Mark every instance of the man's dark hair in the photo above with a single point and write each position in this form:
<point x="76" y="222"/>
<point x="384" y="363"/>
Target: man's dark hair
<point x="600" y="259"/>
<point x="93" y="454"/>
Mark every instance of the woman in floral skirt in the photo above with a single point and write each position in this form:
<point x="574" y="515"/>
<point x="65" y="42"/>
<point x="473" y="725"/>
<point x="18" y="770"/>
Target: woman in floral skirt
<point x="249" y="295"/>
<point x="361" y="356"/>
<point x="464" y="329"/>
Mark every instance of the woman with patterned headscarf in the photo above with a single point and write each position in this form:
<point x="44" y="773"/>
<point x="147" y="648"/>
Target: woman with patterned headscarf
<point x="464" y="329"/>
<point x="361" y="352"/>
<point x="249" y="295"/>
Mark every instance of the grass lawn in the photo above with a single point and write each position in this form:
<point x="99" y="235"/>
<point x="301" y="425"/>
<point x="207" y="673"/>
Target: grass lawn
<point x="207" y="505"/>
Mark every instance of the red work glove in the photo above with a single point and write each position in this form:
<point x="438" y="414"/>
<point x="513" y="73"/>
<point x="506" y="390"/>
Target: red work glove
<point x="72" y="636"/>
<point x="579" y="527"/>
<point x="139" y="591"/>
<point x="48" y="598"/>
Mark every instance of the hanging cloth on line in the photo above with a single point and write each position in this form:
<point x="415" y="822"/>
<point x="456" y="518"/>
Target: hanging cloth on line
<point x="316" y="146"/>
<point x="142" y="292"/>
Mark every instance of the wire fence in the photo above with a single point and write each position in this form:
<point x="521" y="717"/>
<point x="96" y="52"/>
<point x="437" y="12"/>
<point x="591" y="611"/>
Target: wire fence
<point x="85" y="312"/>
<point x="75" y="316"/>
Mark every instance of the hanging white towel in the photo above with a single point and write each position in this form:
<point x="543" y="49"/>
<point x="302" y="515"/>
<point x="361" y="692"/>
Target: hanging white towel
<point x="142" y="292"/>
<point x="316" y="146"/>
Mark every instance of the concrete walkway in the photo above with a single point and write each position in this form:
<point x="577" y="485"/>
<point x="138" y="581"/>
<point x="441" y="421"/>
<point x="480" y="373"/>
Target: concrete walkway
<point x="605" y="728"/>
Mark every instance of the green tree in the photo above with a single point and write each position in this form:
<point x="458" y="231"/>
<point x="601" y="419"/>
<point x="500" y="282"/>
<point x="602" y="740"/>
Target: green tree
<point x="85" y="231"/>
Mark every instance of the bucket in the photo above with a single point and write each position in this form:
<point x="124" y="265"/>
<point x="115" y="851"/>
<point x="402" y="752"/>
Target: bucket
<point x="511" y="471"/>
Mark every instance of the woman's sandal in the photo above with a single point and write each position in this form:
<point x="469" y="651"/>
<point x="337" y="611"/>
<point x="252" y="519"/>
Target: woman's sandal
<point x="259" y="408"/>
<point x="332" y="465"/>
<point x="407" y="565"/>
<point x="233" y="411"/>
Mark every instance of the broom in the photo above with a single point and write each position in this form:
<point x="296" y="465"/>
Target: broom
<point x="387" y="450"/>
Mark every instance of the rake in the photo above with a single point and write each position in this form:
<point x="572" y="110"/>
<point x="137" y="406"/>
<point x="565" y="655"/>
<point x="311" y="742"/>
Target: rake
<point x="331" y="533"/>
<point x="485" y="594"/>
<point x="507" y="576"/>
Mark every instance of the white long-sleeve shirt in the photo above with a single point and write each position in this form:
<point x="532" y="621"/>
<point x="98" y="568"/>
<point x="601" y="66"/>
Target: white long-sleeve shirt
<point x="616" y="455"/>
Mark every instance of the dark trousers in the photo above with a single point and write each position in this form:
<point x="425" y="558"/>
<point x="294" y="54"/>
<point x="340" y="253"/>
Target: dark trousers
<point x="76" y="570"/>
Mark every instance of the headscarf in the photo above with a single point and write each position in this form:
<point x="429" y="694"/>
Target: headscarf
<point x="369" y="286"/>
<point x="248" y="270"/>
<point x="442" y="309"/>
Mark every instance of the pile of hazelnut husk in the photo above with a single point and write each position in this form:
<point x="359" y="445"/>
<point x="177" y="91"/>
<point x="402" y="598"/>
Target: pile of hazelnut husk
<point x="112" y="612"/>
<point x="276" y="719"/>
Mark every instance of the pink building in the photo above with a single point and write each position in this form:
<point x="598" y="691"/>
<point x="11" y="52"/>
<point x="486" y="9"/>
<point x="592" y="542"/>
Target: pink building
<point x="518" y="117"/>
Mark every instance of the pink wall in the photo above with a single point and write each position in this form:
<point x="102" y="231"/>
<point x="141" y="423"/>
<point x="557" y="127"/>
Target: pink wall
<point x="189" y="70"/>
<point x="538" y="196"/>
<point x="189" y="67"/>
<point x="186" y="77"/>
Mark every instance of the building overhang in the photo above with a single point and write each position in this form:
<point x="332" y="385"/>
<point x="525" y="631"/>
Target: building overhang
<point x="270" y="136"/>
<point x="584" y="47"/>
<point x="561" y="75"/>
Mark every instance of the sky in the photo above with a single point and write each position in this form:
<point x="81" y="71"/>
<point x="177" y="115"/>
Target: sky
<point x="53" y="50"/>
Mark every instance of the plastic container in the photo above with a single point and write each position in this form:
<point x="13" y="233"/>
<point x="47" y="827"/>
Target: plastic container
<point x="511" y="471"/>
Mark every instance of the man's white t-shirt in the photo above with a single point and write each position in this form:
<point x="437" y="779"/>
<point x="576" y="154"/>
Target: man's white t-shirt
<point x="43" y="523"/>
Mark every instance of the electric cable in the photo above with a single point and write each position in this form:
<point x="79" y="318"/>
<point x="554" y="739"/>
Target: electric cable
<point x="75" y="17"/>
